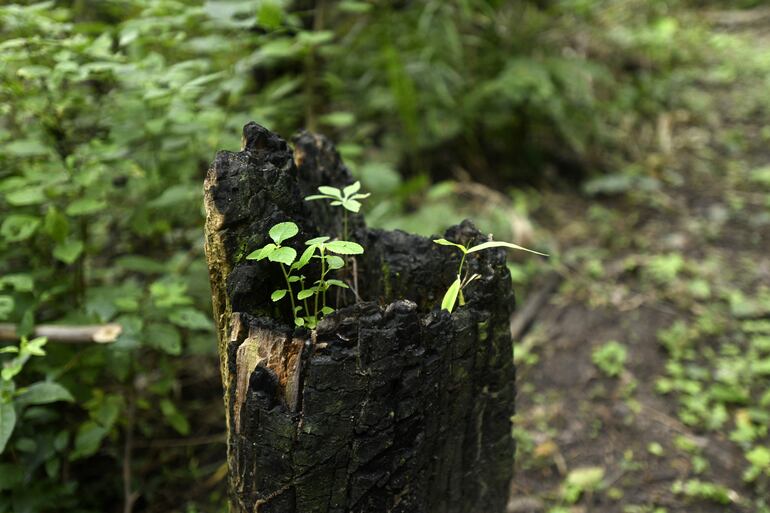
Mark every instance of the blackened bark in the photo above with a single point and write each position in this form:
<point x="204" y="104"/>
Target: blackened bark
<point x="390" y="405"/>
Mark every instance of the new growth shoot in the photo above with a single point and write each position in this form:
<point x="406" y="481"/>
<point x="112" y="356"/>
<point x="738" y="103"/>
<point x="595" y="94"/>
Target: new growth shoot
<point x="454" y="293"/>
<point x="347" y="198"/>
<point x="319" y="248"/>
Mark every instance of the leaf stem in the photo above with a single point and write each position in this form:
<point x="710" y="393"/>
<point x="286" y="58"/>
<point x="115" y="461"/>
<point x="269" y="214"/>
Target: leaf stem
<point x="291" y="292"/>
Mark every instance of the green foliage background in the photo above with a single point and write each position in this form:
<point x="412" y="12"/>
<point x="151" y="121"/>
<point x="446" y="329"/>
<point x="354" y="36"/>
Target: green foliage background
<point x="111" y="110"/>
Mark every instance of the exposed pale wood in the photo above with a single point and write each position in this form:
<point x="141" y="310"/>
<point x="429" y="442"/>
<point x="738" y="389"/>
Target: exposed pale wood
<point x="97" y="333"/>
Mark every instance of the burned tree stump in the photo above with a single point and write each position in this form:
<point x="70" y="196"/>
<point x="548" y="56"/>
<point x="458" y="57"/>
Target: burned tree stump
<point x="390" y="405"/>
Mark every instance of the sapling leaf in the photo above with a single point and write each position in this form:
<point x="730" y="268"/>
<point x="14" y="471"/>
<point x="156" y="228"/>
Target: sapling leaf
<point x="262" y="252"/>
<point x="305" y="258"/>
<point x="334" y="262"/>
<point x="278" y="295"/>
<point x="344" y="247"/>
<point x="331" y="191"/>
<point x="444" y="242"/>
<point x="336" y="203"/>
<point x="448" y="303"/>
<point x="351" y="189"/>
<point x="299" y="321"/>
<point x="283" y="255"/>
<point x="317" y="241"/>
<point x="500" y="244"/>
<point x="305" y="293"/>
<point x="318" y="196"/>
<point x="337" y="283"/>
<point x="283" y="231"/>
<point x="294" y="279"/>
<point x="360" y="196"/>
<point x="352" y="205"/>
<point x="327" y="310"/>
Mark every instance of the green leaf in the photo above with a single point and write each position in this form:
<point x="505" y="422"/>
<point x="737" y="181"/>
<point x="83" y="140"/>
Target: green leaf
<point x="305" y="293"/>
<point x="337" y="283"/>
<point x="174" y="417"/>
<point x="334" y="262"/>
<point x="283" y="231"/>
<point x="299" y="321"/>
<point x="69" y="251"/>
<point x="88" y="439"/>
<point x="164" y="337"/>
<point x="305" y="258"/>
<point x="283" y="255"/>
<point x="499" y="244"/>
<point x="27" y="196"/>
<point x="318" y="196"/>
<point x="351" y="189"/>
<point x="44" y="392"/>
<point x="317" y="241"/>
<point x="191" y="318"/>
<point x="56" y="225"/>
<point x="262" y="252"/>
<point x="7" y="423"/>
<point x="6" y="306"/>
<point x="327" y="310"/>
<point x="18" y="227"/>
<point x="343" y="247"/>
<point x="277" y="295"/>
<point x="444" y="242"/>
<point x="448" y="303"/>
<point x="351" y="205"/>
<point x="338" y="119"/>
<point x="85" y="206"/>
<point x="331" y="191"/>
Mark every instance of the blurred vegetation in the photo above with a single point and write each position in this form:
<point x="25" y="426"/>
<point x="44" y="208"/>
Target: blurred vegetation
<point x="111" y="110"/>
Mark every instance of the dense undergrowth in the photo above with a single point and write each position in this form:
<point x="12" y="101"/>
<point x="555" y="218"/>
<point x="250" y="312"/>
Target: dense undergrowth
<point x="110" y="112"/>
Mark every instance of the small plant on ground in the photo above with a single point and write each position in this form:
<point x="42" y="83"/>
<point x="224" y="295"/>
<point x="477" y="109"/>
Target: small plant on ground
<point x="455" y="291"/>
<point x="610" y="358"/>
<point x="320" y="248"/>
<point x="347" y="198"/>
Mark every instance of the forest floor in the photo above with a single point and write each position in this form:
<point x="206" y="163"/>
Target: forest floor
<point x="643" y="383"/>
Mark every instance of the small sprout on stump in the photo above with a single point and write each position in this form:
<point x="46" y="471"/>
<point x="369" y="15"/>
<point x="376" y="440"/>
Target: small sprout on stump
<point x="454" y="293"/>
<point x="347" y="198"/>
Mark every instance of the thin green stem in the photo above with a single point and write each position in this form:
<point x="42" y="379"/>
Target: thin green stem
<point x="459" y="276"/>
<point x="344" y="224"/>
<point x="291" y="292"/>
<point x="302" y="286"/>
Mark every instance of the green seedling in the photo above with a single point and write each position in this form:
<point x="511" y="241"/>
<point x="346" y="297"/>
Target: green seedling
<point x="347" y="198"/>
<point x="455" y="292"/>
<point x="319" y="248"/>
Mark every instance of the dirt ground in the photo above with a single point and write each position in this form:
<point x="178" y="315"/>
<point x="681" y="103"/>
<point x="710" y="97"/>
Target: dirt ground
<point x="676" y="273"/>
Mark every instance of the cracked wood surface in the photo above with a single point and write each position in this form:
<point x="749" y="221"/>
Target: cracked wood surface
<point x="390" y="405"/>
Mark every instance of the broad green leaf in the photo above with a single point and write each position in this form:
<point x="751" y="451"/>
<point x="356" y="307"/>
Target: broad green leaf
<point x="277" y="295"/>
<point x="331" y="191"/>
<point x="327" y="310"/>
<point x="334" y="262"/>
<point x="337" y="283"/>
<point x="351" y="189"/>
<point x="317" y="240"/>
<point x="26" y="148"/>
<point x="299" y="321"/>
<point x="262" y="252"/>
<point x="19" y="227"/>
<point x="164" y="337"/>
<point x="283" y="255"/>
<point x="344" y="247"/>
<point x="191" y="318"/>
<point x="294" y="279"/>
<point x="448" y="303"/>
<point x="7" y="423"/>
<point x="338" y="119"/>
<point x="500" y="244"/>
<point x="27" y="196"/>
<point x="44" y="392"/>
<point x="6" y="306"/>
<point x="444" y="242"/>
<point x="305" y="293"/>
<point x="352" y="205"/>
<point x="56" y="225"/>
<point x="68" y="251"/>
<point x="85" y="206"/>
<point x="19" y="281"/>
<point x="88" y="439"/>
<point x="283" y="231"/>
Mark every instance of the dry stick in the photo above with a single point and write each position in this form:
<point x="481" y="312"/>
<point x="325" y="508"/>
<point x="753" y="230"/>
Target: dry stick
<point x="96" y="333"/>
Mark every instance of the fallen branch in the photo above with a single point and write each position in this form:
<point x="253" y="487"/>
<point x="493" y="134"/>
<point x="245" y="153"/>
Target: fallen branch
<point x="97" y="333"/>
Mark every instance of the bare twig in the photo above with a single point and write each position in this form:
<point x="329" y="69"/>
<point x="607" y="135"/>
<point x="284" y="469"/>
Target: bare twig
<point x="521" y="320"/>
<point x="98" y="333"/>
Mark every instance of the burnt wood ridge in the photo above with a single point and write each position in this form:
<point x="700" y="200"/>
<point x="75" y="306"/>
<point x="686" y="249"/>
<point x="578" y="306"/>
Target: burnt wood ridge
<point x="390" y="405"/>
